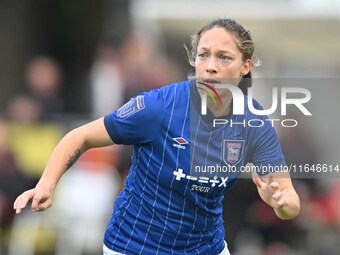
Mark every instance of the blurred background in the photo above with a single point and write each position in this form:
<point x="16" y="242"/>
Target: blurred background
<point x="64" y="63"/>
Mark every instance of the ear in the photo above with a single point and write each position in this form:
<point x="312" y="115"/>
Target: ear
<point x="247" y="65"/>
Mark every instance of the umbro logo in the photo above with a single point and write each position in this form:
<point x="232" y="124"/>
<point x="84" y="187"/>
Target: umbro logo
<point x="180" y="142"/>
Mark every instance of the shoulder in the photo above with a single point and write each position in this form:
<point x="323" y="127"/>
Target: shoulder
<point x="175" y="93"/>
<point x="174" y="88"/>
<point x="254" y="103"/>
<point x="169" y="90"/>
<point x="156" y="100"/>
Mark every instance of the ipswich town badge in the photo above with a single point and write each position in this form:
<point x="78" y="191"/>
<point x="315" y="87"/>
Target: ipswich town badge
<point x="233" y="151"/>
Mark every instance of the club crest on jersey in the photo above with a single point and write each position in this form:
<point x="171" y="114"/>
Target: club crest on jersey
<point x="233" y="151"/>
<point x="180" y="142"/>
<point x="131" y="107"/>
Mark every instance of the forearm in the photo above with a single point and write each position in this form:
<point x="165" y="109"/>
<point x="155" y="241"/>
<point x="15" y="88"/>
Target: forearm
<point x="291" y="208"/>
<point x="71" y="147"/>
<point x="66" y="153"/>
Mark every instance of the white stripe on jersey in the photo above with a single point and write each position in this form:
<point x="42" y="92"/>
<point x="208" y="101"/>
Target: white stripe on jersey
<point x="178" y="153"/>
<point x="143" y="191"/>
<point x="160" y="169"/>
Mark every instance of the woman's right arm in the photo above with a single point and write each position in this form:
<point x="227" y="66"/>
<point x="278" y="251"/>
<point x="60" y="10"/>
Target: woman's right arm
<point x="66" y="153"/>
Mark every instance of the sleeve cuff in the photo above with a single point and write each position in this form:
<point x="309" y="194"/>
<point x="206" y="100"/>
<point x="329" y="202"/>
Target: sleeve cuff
<point x="111" y="130"/>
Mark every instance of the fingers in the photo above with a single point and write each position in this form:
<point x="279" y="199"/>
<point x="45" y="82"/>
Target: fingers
<point x="35" y="203"/>
<point x="257" y="180"/>
<point x="22" y="200"/>
<point x="270" y="179"/>
<point x="39" y="202"/>
<point x="278" y="197"/>
<point x="271" y="188"/>
<point x="281" y="202"/>
<point x="272" y="185"/>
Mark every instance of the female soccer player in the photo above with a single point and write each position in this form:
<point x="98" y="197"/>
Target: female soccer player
<point x="170" y="203"/>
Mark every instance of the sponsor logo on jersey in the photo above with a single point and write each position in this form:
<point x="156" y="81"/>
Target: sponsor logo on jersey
<point x="209" y="182"/>
<point x="180" y="142"/>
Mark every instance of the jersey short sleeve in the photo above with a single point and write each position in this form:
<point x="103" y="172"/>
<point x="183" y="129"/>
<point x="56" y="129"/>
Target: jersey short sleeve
<point x="266" y="150"/>
<point x="138" y="121"/>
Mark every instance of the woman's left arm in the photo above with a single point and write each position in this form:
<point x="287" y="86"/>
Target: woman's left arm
<point x="277" y="190"/>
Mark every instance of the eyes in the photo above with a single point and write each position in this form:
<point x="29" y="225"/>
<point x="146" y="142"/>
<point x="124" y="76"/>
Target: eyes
<point x="223" y="57"/>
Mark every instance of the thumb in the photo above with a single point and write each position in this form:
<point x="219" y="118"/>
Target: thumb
<point x="257" y="180"/>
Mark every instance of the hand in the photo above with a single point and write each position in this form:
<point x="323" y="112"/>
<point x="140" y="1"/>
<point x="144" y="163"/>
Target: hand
<point x="269" y="191"/>
<point x="41" y="200"/>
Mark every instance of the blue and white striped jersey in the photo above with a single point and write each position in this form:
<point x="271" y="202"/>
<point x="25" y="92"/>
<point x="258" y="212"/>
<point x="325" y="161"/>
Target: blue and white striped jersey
<point x="170" y="204"/>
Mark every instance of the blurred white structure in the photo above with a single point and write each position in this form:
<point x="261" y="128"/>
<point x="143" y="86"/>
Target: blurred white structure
<point x="76" y="222"/>
<point x="84" y="205"/>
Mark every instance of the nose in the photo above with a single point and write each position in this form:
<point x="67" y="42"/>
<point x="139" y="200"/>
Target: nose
<point x="211" y="66"/>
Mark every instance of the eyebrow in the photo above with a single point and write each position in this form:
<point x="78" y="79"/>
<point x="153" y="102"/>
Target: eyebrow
<point x="219" y="51"/>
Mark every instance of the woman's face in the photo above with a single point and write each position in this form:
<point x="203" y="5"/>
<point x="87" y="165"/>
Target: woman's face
<point x="218" y="56"/>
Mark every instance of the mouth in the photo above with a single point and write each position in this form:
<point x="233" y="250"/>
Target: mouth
<point x="211" y="81"/>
